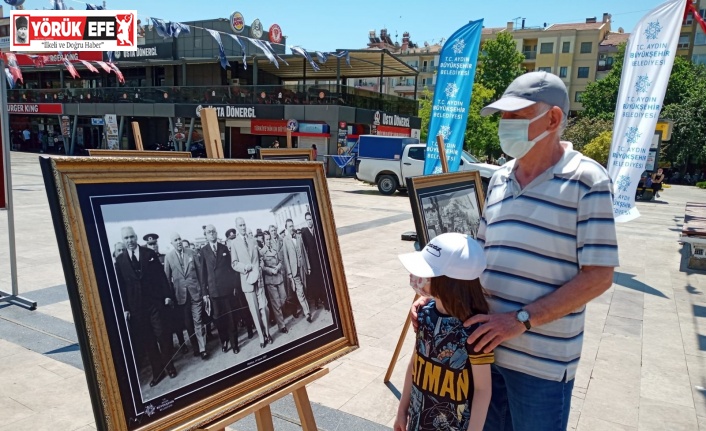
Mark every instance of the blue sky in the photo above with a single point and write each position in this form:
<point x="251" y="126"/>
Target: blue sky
<point x="326" y="25"/>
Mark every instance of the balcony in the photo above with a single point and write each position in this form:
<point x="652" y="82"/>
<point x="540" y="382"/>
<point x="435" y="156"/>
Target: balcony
<point x="530" y="55"/>
<point x="428" y="69"/>
<point x="319" y="94"/>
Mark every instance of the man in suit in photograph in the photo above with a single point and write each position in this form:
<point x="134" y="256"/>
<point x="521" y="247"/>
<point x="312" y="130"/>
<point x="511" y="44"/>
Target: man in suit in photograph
<point x="273" y="274"/>
<point x="219" y="286"/>
<point x="245" y="259"/>
<point x="181" y="268"/>
<point x="296" y="264"/>
<point x="315" y="279"/>
<point x="147" y="298"/>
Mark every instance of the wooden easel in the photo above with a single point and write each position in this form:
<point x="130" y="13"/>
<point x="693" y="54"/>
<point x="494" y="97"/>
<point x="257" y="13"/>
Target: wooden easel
<point x="261" y="408"/>
<point x="289" y="138"/>
<point x="211" y="134"/>
<point x="138" y="136"/>
<point x="405" y="328"/>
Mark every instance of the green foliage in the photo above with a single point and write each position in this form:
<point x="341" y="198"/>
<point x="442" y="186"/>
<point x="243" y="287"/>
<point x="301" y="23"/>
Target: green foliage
<point x="689" y="131"/>
<point x="425" y="103"/>
<point x="481" y="135"/>
<point x="599" y="148"/>
<point x="600" y="97"/>
<point x="701" y="185"/>
<point x="499" y="63"/>
<point x="584" y="129"/>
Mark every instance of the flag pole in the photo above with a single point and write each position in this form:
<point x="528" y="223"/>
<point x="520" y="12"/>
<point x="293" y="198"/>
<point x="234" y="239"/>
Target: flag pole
<point x="14" y="297"/>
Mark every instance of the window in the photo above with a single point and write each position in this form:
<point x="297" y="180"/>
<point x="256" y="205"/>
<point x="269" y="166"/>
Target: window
<point x="566" y="47"/>
<point x="578" y="96"/>
<point x="546" y="48"/>
<point x="563" y="72"/>
<point x="545" y="69"/>
<point x="583" y="72"/>
<point x="683" y="41"/>
<point x="699" y="59"/>
<point x="416" y="153"/>
<point x="586" y="47"/>
<point x="700" y="38"/>
<point x="689" y="19"/>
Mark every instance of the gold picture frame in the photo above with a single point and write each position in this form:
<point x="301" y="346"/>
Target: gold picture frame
<point x="92" y="198"/>
<point x="299" y="154"/>
<point x="137" y="153"/>
<point x="461" y="194"/>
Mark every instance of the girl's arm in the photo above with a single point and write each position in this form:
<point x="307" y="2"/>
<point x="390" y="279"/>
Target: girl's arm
<point x="401" y="420"/>
<point x="482" y="389"/>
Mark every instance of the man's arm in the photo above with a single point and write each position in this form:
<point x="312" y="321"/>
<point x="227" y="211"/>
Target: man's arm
<point x="234" y="261"/>
<point x="588" y="284"/>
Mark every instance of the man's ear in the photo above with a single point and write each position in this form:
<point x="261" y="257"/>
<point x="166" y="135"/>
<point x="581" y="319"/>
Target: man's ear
<point x="556" y="117"/>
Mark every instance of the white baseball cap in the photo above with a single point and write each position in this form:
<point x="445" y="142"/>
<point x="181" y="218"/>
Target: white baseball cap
<point x="454" y="255"/>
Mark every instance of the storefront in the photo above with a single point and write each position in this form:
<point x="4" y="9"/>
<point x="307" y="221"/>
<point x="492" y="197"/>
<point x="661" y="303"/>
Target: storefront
<point x="383" y="123"/>
<point x="43" y="122"/>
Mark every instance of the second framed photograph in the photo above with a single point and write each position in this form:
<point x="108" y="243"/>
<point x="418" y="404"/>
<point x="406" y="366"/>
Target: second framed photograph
<point x="446" y="203"/>
<point x="293" y="154"/>
<point x="197" y="286"/>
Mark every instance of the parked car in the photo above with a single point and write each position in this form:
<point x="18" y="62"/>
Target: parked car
<point x="387" y="160"/>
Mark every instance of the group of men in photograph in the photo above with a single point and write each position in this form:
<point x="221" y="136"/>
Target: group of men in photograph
<point x="247" y="280"/>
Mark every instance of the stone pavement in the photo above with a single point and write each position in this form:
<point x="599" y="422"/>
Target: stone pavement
<point x="644" y="358"/>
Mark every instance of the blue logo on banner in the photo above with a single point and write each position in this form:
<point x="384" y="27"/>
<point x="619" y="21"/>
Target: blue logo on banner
<point x="452" y="96"/>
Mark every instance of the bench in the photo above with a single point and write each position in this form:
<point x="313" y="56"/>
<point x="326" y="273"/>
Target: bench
<point x="694" y="234"/>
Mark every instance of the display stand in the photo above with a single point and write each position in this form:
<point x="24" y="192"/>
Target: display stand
<point x="211" y="134"/>
<point x="289" y="138"/>
<point x="13" y="297"/>
<point x="408" y="321"/>
<point x="138" y="136"/>
<point x="263" y="413"/>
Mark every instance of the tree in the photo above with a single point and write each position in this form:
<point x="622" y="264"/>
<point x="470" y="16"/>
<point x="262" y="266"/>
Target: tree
<point x="499" y="63"/>
<point x="584" y="129"/>
<point x="481" y="132"/>
<point x="425" y="104"/>
<point x="689" y="131"/>
<point x="599" y="148"/>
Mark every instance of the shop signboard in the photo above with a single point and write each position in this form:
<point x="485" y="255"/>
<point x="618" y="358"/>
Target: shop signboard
<point x="65" y="126"/>
<point x="268" y="127"/>
<point x="150" y="51"/>
<point x="35" y="108"/>
<point x="97" y="121"/>
<point x="55" y="58"/>
<point x="111" y="131"/>
<point x="4" y="42"/>
<point x="227" y="112"/>
<point x="342" y="135"/>
<point x="313" y="128"/>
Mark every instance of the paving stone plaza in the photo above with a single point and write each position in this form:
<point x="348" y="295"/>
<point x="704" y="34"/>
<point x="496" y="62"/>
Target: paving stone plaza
<point x="644" y="356"/>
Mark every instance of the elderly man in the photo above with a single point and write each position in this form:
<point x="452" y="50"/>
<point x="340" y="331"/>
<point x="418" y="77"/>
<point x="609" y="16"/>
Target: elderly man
<point x="245" y="259"/>
<point x="181" y="268"/>
<point x="146" y="296"/>
<point x="296" y="264"/>
<point x="550" y="244"/>
<point x="315" y="279"/>
<point x="273" y="274"/>
<point x="219" y="286"/>
<point x="119" y="248"/>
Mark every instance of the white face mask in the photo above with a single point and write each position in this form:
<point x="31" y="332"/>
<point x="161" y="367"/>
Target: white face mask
<point x="514" y="136"/>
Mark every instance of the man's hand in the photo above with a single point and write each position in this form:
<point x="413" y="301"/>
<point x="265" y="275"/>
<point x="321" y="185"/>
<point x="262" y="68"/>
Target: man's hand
<point x="494" y="329"/>
<point x="418" y="302"/>
<point x="127" y="315"/>
<point x="167" y="301"/>
<point x="248" y="268"/>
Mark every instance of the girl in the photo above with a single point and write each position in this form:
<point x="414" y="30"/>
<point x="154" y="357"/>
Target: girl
<point x="447" y="385"/>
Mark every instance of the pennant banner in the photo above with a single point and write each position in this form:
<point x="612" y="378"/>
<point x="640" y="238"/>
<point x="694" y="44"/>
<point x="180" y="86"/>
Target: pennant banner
<point x="221" y="52"/>
<point x="452" y="97"/>
<point x="242" y="49"/>
<point x="648" y="62"/>
<point x="89" y="66"/>
<point x="104" y="66"/>
<point x="14" y="67"/>
<point x="322" y="56"/>
<point x="270" y="56"/>
<point x="70" y="67"/>
<point x="117" y="71"/>
<point x="300" y="51"/>
<point x="10" y="78"/>
<point x="276" y="55"/>
<point x="94" y="7"/>
<point x="38" y="60"/>
<point x="344" y="54"/>
<point x="169" y="29"/>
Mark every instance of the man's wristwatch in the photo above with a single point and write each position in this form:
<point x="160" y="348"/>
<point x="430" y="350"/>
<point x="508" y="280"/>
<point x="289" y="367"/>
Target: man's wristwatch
<point x="524" y="318"/>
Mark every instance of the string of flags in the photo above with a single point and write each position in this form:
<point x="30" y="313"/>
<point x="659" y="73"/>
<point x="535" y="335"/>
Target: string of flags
<point x="14" y="74"/>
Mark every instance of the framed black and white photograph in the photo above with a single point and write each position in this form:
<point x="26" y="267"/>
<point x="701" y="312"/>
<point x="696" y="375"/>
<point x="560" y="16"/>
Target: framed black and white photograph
<point x="292" y="154"/>
<point x="197" y="286"/>
<point x="446" y="203"/>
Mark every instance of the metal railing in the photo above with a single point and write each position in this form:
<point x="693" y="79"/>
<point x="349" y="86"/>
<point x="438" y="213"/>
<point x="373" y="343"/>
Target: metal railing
<point x="318" y="94"/>
<point x="530" y="55"/>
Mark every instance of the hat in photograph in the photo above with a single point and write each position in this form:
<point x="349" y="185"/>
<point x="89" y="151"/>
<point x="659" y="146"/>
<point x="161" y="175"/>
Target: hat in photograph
<point x="454" y="255"/>
<point x="230" y="233"/>
<point x="150" y="238"/>
<point x="528" y="89"/>
<point x="21" y="22"/>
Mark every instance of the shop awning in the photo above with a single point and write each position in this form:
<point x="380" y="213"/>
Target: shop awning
<point x="365" y="63"/>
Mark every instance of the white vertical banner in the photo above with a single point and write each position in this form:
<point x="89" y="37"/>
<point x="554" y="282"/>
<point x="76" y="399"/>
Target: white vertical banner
<point x="648" y="62"/>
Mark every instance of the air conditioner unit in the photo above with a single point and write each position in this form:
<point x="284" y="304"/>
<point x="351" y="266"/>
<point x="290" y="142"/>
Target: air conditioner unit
<point x="235" y="81"/>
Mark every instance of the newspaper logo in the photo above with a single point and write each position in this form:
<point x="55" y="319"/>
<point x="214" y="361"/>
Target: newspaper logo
<point x="57" y="30"/>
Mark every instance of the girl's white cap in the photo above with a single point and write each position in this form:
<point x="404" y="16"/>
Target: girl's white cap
<point x="454" y="255"/>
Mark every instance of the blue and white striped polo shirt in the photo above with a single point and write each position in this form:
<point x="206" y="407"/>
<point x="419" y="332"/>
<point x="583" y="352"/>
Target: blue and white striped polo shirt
<point x="536" y="239"/>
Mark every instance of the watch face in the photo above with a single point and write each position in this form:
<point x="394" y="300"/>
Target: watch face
<point x="522" y="316"/>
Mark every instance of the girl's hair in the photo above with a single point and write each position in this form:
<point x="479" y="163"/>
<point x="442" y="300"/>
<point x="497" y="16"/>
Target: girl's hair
<point x="461" y="298"/>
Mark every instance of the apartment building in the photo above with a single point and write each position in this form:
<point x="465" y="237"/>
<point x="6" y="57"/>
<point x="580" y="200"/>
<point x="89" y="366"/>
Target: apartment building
<point x="698" y="46"/>
<point x="570" y="51"/>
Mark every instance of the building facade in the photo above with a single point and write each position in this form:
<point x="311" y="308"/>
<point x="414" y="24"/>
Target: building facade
<point x="698" y="51"/>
